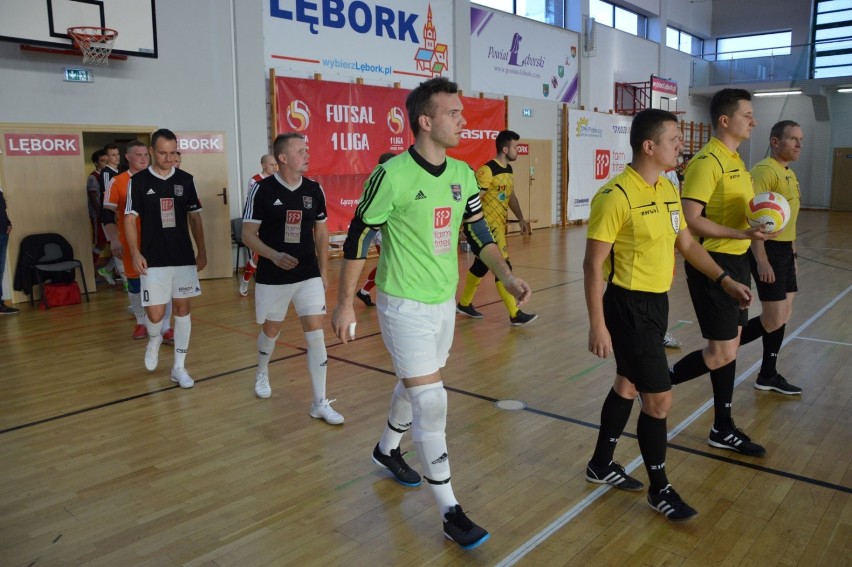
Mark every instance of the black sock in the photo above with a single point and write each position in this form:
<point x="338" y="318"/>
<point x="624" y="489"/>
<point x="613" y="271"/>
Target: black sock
<point x="771" y="345"/>
<point x="752" y="331"/>
<point x="690" y="366"/>
<point x="723" y="394"/>
<point x="614" y="416"/>
<point x="652" y="444"/>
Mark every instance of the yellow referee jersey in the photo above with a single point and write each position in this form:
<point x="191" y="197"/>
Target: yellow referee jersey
<point x="496" y="183"/>
<point x="769" y="175"/>
<point x="717" y="177"/>
<point x="642" y="223"/>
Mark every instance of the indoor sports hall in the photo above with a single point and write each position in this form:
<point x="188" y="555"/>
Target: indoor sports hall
<point x="105" y="463"/>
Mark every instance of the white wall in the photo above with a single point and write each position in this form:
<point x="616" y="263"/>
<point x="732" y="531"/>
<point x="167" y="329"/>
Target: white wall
<point x="190" y="87"/>
<point x="692" y="17"/>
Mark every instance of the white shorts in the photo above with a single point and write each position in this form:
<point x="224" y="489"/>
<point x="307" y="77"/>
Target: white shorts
<point x="162" y="284"/>
<point x="271" y="301"/>
<point x="418" y="335"/>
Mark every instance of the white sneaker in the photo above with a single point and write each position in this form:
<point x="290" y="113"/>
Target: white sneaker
<point x="181" y="377"/>
<point x="261" y="385"/>
<point x="152" y="353"/>
<point x="323" y="410"/>
<point x="104" y="273"/>
<point x="244" y="287"/>
<point x="670" y="342"/>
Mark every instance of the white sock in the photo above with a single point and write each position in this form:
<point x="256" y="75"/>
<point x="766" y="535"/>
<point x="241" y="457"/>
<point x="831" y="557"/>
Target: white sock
<point x="317" y="363"/>
<point x="399" y="420"/>
<point x="265" y="347"/>
<point x="429" y="408"/>
<point x="136" y="305"/>
<point x="183" y="328"/>
<point x="153" y="329"/>
<point x="167" y="318"/>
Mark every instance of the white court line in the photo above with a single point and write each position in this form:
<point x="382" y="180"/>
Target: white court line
<point x="543" y="535"/>
<point x="824" y="341"/>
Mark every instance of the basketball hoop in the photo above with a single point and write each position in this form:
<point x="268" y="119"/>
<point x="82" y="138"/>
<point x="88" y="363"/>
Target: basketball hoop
<point x="95" y="43"/>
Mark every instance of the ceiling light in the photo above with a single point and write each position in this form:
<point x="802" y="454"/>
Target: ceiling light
<point x="779" y="93"/>
<point x="845" y="90"/>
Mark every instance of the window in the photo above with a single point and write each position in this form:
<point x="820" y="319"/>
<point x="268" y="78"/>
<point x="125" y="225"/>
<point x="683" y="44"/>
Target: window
<point x="546" y="11"/>
<point x="682" y="41"/>
<point x="619" y="18"/>
<point x="762" y="45"/>
<point x="832" y="39"/>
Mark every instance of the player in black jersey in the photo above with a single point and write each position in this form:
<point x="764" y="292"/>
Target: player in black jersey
<point x="165" y="201"/>
<point x="284" y="222"/>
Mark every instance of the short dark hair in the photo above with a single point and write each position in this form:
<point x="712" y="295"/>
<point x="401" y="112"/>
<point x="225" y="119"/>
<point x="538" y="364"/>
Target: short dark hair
<point x="385" y="157"/>
<point x="777" y="130"/>
<point x="725" y="103"/>
<point x="109" y="147"/>
<point x="163" y="133"/>
<point x="419" y="101"/>
<point x="96" y="156"/>
<point x="648" y="125"/>
<point x="282" y="140"/>
<point x="505" y="138"/>
<point x="134" y="144"/>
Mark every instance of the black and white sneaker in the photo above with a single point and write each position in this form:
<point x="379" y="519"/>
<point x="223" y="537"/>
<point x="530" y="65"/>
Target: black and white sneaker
<point x="669" y="503"/>
<point x="777" y="383"/>
<point x="365" y="297"/>
<point x="522" y="318"/>
<point x="469" y="311"/>
<point x="397" y="465"/>
<point x="459" y="528"/>
<point x="735" y="440"/>
<point x="612" y="474"/>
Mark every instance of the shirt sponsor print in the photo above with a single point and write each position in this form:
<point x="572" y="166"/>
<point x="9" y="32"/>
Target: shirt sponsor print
<point x="442" y="233"/>
<point x="167" y="213"/>
<point x="293" y="227"/>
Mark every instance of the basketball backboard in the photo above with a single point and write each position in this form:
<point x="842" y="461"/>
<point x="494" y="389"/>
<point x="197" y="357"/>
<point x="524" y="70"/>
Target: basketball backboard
<point x="44" y="22"/>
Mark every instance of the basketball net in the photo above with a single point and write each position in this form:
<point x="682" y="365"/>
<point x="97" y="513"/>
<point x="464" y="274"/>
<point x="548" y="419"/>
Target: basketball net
<point x="95" y="43"/>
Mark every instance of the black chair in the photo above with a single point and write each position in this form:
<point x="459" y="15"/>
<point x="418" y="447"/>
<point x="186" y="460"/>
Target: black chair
<point x="51" y="257"/>
<point x="237" y="240"/>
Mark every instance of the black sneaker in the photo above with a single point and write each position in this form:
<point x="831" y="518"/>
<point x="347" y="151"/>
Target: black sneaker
<point x="397" y="465"/>
<point x="669" y="503"/>
<point x="736" y="440"/>
<point x="365" y="297"/>
<point x="4" y="310"/>
<point x="522" y="318"/>
<point x="469" y="311"/>
<point x="459" y="528"/>
<point x="777" y="383"/>
<point x="612" y="474"/>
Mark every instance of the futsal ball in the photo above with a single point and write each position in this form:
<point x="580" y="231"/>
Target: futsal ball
<point x="770" y="209"/>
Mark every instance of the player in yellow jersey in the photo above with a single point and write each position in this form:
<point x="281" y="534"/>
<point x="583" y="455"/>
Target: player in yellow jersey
<point x="716" y="190"/>
<point x="636" y="222"/>
<point x="496" y="190"/>
<point x="774" y="262"/>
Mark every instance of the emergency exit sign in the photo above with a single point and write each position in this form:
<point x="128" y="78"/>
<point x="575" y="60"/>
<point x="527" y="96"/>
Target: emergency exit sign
<point x="527" y="112"/>
<point x="73" y="75"/>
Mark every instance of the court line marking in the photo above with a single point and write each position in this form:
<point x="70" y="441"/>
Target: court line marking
<point x="824" y="341"/>
<point x="572" y="513"/>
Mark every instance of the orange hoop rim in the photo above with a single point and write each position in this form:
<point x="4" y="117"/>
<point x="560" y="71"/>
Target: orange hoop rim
<point x="92" y="34"/>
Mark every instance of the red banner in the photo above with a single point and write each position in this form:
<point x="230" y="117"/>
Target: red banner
<point x="485" y="118"/>
<point x="348" y="126"/>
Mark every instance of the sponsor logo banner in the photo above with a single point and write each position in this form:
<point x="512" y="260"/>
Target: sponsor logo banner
<point x="599" y="150"/>
<point x="200" y="142"/>
<point x="517" y="56"/>
<point x="406" y="42"/>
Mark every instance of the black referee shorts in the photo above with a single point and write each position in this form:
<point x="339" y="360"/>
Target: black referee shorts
<point x="780" y="255"/>
<point x="719" y="315"/>
<point x="637" y="321"/>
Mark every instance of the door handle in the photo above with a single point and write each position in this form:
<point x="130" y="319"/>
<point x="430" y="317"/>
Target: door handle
<point x="224" y="195"/>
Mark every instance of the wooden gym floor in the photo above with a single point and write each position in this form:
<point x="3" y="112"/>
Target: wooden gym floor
<point x="103" y="463"/>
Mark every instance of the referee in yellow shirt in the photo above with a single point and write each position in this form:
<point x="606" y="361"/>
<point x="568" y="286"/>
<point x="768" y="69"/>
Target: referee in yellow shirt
<point x="716" y="190"/>
<point x="636" y="221"/>
<point x="774" y="263"/>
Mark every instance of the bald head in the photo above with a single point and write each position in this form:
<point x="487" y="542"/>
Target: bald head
<point x="268" y="165"/>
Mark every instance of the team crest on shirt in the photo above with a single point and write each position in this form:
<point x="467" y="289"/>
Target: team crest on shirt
<point x="307" y="202"/>
<point x="178" y="190"/>
<point x="456" y="189"/>
<point x="675" y="221"/>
